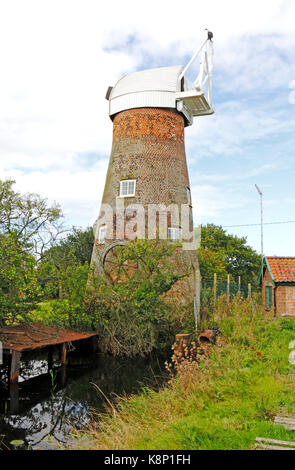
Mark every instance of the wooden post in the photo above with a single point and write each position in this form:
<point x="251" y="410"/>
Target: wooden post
<point x="197" y="299"/>
<point x="63" y="354"/>
<point x="14" y="367"/>
<point x="239" y="285"/>
<point x="249" y="291"/>
<point x="14" y="399"/>
<point x="63" y="360"/>
<point x="50" y="359"/>
<point x="228" y="288"/>
<point x="215" y="288"/>
<point x="182" y="342"/>
<point x="94" y="344"/>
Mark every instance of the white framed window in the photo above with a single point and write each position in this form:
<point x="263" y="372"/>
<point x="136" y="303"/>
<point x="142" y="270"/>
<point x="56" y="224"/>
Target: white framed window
<point x="127" y="188"/>
<point x="189" y="197"/>
<point x="102" y="234"/>
<point x="174" y="234"/>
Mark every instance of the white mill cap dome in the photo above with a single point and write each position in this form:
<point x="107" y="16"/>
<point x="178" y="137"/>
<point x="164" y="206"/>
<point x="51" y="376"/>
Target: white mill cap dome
<point x="166" y="87"/>
<point x="145" y="89"/>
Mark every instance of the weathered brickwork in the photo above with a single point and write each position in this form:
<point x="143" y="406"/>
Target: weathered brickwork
<point x="149" y="122"/>
<point x="283" y="296"/>
<point x="148" y="146"/>
<point x="285" y="300"/>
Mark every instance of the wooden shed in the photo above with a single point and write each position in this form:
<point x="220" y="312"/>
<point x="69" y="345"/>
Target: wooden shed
<point x="278" y="285"/>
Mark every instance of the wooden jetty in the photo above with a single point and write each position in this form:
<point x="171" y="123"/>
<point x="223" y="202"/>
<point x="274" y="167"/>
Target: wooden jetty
<point x="32" y="337"/>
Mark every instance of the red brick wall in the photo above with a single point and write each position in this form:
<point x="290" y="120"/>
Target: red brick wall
<point x="284" y="300"/>
<point x="148" y="146"/>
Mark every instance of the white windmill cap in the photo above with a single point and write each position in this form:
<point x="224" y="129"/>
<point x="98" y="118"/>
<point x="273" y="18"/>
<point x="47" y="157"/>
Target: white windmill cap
<point x="166" y="87"/>
<point x="145" y="89"/>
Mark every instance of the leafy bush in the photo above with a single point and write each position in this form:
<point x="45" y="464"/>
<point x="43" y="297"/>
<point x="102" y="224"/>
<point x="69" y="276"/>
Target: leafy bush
<point x="132" y="310"/>
<point x="68" y="312"/>
<point x="19" y="289"/>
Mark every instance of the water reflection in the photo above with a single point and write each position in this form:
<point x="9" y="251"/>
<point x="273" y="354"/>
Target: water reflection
<point x="44" y="408"/>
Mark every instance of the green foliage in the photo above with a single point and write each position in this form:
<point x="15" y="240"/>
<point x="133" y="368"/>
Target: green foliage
<point x="34" y="224"/>
<point x="19" y="289"/>
<point x="63" y="261"/>
<point x="70" y="310"/>
<point x="211" y="262"/>
<point x="224" y="253"/>
<point x="233" y="395"/>
<point x="133" y="313"/>
<point x="27" y="226"/>
<point x="77" y="245"/>
<point x="80" y="243"/>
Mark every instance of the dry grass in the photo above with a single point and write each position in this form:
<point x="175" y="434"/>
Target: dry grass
<point x="218" y="397"/>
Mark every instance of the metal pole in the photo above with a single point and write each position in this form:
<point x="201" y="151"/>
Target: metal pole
<point x="261" y="218"/>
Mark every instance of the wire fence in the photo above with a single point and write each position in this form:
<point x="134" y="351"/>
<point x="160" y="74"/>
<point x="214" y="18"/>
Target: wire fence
<point x="223" y="287"/>
<point x="212" y="289"/>
<point x="217" y="287"/>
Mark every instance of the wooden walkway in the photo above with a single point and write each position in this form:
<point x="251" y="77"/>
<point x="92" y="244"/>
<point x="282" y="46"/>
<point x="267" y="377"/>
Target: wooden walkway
<point x="263" y="443"/>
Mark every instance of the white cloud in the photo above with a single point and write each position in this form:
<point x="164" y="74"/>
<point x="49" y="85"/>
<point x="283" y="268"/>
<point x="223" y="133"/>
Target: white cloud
<point x="58" y="58"/>
<point x="79" y="191"/>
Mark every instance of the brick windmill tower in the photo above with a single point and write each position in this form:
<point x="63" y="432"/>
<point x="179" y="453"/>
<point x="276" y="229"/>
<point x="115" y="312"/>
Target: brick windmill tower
<point x="147" y="171"/>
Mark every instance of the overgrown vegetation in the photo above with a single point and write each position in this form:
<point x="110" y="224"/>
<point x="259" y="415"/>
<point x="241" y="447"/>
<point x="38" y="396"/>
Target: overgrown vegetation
<point x="43" y="267"/>
<point x="45" y="276"/>
<point x="132" y="312"/>
<point x="223" y="401"/>
<point x="28" y="226"/>
<point x="223" y="254"/>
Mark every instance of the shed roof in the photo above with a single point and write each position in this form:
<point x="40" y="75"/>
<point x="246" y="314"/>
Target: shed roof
<point x="29" y="336"/>
<point x="282" y="268"/>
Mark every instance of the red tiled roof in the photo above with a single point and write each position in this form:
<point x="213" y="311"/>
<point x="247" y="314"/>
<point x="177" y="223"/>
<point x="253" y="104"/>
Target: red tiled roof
<point x="282" y="268"/>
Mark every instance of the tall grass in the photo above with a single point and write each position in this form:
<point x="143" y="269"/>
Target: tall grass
<point x="221" y="397"/>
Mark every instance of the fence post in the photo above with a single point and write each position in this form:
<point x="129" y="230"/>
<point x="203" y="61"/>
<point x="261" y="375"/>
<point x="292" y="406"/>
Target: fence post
<point x="197" y="298"/>
<point x="239" y="285"/>
<point x="228" y="288"/>
<point x="249" y="291"/>
<point x="215" y="288"/>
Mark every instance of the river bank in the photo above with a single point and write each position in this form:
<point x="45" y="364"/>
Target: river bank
<point x="49" y="408"/>
<point x="223" y="401"/>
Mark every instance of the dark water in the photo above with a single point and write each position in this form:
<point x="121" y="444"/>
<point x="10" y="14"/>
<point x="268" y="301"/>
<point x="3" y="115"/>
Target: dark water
<point x="44" y="409"/>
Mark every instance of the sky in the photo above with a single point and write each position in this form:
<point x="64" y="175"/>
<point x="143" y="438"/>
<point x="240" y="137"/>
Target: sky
<point x="57" y="59"/>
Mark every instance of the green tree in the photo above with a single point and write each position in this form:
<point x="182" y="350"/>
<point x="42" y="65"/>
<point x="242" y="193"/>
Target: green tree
<point x="34" y="224"/>
<point x="80" y="242"/>
<point x="211" y="262"/>
<point x="19" y="289"/>
<point x="230" y="252"/>
<point x="28" y="225"/>
<point x="71" y="252"/>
